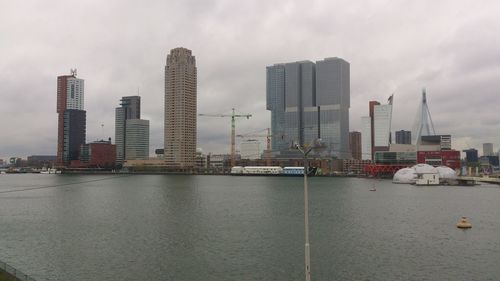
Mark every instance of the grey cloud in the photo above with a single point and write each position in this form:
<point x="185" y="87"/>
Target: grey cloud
<point x="448" y="47"/>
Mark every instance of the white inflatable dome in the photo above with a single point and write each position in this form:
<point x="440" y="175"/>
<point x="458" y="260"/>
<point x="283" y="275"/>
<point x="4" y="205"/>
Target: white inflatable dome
<point x="424" y="168"/>
<point x="409" y="175"/>
<point x="446" y="172"/>
<point x="405" y="175"/>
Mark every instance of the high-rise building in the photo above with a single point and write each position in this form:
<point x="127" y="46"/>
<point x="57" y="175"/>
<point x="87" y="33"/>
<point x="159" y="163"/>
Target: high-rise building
<point x="471" y="155"/>
<point x="355" y="144"/>
<point x="130" y="109"/>
<point x="371" y="109"/>
<point x="309" y="101"/>
<point x="488" y="149"/>
<point x="333" y="99"/>
<point x="301" y="114"/>
<point x="120" y="134"/>
<point x="275" y="102"/>
<point x="74" y="133"/>
<point x="250" y="149"/>
<point x="382" y="125"/>
<point x="136" y="139"/>
<point x="71" y="127"/>
<point x="382" y="117"/>
<point x="131" y="106"/>
<point x="376" y="130"/>
<point x="403" y="137"/>
<point x="180" y="109"/>
<point x="366" y="138"/>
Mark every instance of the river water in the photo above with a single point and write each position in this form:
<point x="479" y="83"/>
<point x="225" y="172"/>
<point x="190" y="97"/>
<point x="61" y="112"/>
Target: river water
<point x="156" y="227"/>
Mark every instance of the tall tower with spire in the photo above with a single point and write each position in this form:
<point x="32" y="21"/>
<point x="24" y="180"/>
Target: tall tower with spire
<point x="423" y="125"/>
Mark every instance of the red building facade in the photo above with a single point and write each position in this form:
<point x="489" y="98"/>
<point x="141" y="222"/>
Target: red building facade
<point x="100" y="154"/>
<point x="355" y="144"/>
<point x="449" y="158"/>
<point x="62" y="93"/>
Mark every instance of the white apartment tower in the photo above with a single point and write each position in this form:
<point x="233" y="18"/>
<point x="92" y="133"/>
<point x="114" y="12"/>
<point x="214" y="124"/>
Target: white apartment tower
<point x="366" y="142"/>
<point x="382" y="125"/>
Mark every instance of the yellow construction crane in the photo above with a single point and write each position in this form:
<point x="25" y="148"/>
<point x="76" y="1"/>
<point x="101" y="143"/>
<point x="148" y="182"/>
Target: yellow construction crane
<point x="233" y="116"/>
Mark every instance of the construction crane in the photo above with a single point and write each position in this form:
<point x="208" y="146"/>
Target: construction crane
<point x="233" y="116"/>
<point x="268" y="137"/>
<point x="268" y="140"/>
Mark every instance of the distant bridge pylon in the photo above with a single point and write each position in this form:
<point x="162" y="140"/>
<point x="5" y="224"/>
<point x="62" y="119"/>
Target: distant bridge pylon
<point x="423" y="125"/>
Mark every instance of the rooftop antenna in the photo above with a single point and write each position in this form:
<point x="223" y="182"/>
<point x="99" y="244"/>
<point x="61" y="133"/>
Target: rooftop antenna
<point x="102" y="129"/>
<point x="73" y="71"/>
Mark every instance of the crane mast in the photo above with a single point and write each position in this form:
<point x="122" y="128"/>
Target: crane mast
<point x="233" y="129"/>
<point x="268" y="137"/>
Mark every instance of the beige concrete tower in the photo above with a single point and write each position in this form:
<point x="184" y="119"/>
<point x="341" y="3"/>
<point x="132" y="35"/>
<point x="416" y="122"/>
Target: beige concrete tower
<point x="180" y="109"/>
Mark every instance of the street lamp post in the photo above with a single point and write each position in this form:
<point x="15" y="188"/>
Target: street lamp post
<point x="305" y="152"/>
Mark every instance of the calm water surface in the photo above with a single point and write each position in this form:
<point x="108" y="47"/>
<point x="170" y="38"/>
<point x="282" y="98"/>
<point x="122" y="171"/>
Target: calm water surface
<point x="96" y="227"/>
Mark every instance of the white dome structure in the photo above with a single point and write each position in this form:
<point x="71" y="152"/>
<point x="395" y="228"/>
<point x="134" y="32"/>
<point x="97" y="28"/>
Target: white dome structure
<point x="405" y="175"/>
<point x="424" y="169"/>
<point x="409" y="175"/>
<point x="446" y="172"/>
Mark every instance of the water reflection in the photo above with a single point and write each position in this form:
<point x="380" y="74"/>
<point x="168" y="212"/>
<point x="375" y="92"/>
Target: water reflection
<point x="245" y="228"/>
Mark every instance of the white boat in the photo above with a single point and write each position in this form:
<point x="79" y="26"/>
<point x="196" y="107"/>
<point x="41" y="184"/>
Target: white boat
<point x="50" y="171"/>
<point x="271" y="171"/>
<point x="257" y="170"/>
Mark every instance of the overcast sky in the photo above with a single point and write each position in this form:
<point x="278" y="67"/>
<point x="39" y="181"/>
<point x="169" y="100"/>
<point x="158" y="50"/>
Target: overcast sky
<point x="452" y="48"/>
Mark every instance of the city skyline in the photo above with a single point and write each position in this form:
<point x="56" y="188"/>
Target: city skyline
<point x="449" y="48"/>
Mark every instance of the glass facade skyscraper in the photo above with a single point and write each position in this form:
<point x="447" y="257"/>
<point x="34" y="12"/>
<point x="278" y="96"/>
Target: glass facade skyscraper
<point x="366" y="138"/>
<point x="376" y="132"/>
<point x="129" y="144"/>
<point x="488" y="149"/>
<point x="309" y="101"/>
<point x="71" y="118"/>
<point x="382" y="125"/>
<point x="136" y="139"/>
<point x="275" y="102"/>
<point x="74" y="134"/>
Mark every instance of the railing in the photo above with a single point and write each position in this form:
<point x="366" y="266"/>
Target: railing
<point x="19" y="275"/>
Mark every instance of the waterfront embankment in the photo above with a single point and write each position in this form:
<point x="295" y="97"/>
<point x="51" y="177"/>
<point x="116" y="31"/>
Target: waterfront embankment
<point x="9" y="273"/>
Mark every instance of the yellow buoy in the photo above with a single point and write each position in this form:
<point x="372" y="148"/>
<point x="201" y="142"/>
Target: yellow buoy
<point x="463" y="223"/>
